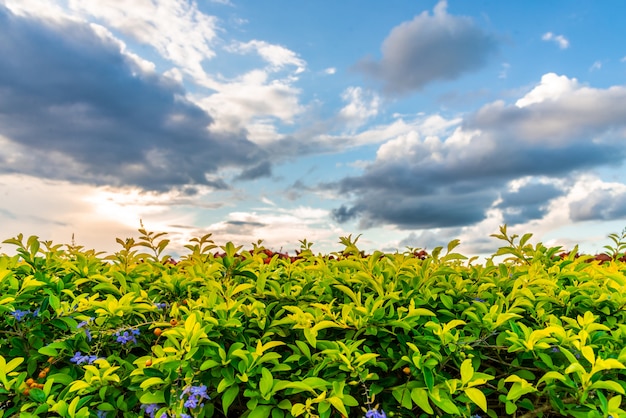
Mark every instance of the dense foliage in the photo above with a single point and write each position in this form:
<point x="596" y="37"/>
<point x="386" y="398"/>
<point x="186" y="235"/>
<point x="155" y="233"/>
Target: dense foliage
<point x="249" y="333"/>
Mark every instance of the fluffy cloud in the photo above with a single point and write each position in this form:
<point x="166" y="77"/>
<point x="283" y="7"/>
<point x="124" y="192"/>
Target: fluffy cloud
<point x="74" y="106"/>
<point x="361" y="106"/>
<point x="444" y="179"/>
<point x="176" y="29"/>
<point x="429" y="48"/>
<point x="277" y="56"/>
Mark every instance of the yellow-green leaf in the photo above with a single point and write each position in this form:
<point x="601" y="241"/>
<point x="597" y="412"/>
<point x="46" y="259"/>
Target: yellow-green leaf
<point x="478" y="397"/>
<point x="420" y="398"/>
<point x="467" y="371"/>
<point x="151" y="382"/>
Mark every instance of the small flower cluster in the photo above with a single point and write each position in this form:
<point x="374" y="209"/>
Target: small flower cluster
<point x="152" y="408"/>
<point x="127" y="337"/>
<point x="80" y="359"/>
<point x="162" y="305"/>
<point x="19" y="314"/>
<point x="375" y="413"/>
<point x="194" y="395"/>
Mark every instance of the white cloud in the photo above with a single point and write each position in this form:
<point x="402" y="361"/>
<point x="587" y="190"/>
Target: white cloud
<point x="251" y="96"/>
<point x="177" y="29"/>
<point x="277" y="56"/>
<point x="552" y="87"/>
<point x="560" y="40"/>
<point x="361" y="106"/>
<point x="330" y="70"/>
<point x="43" y="8"/>
<point x="279" y="228"/>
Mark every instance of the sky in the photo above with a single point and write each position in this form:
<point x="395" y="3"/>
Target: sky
<point x="407" y="124"/>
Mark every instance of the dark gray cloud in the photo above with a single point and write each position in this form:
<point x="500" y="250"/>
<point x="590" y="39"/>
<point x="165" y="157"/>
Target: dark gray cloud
<point x="429" y="48"/>
<point x="417" y="183"/>
<point x="74" y="107"/>
<point x="528" y="202"/>
<point x="263" y="169"/>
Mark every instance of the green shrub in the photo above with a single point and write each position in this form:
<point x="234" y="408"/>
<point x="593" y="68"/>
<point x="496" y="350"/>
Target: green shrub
<point x="251" y="333"/>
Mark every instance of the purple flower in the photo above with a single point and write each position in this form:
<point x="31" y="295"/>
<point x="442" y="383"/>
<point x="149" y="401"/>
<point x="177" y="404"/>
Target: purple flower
<point x="161" y="305"/>
<point x="183" y="415"/>
<point x="195" y="395"/>
<point x="150" y="409"/>
<point x="102" y="414"/>
<point x="80" y="359"/>
<point x="374" y="413"/>
<point x="479" y="300"/>
<point x="127" y="337"/>
<point x="191" y="402"/>
<point x="19" y="314"/>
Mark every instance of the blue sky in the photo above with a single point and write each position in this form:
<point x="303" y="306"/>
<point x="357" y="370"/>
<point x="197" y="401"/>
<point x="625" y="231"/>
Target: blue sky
<point x="412" y="124"/>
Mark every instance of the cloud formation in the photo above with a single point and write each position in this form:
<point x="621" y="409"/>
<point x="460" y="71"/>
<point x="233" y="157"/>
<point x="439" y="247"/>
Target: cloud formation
<point x="429" y="48"/>
<point x="453" y="177"/>
<point x="75" y="106"/>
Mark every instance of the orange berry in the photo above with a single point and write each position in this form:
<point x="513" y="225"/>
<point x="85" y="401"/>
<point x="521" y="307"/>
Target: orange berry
<point x="406" y="371"/>
<point x="50" y="360"/>
<point x="26" y="392"/>
<point x="47" y="369"/>
<point x="158" y="332"/>
<point x="30" y="381"/>
<point x="173" y="322"/>
<point x="148" y="362"/>
<point x="42" y="374"/>
<point x="39" y="385"/>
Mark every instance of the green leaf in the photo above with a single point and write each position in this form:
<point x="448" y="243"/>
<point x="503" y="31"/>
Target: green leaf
<point x="551" y="376"/>
<point x="519" y="389"/>
<point x="338" y="404"/>
<point x="608" y="385"/>
<point x="615" y="402"/>
<point x="478" y="397"/>
<point x="403" y="396"/>
<point x="298" y="409"/>
<point x="156" y="397"/>
<point x="428" y="378"/>
<point x="48" y="351"/>
<point x="208" y="364"/>
<point x="78" y="385"/>
<point x="152" y="372"/>
<point x="420" y="397"/>
<point x="447" y="405"/>
<point x="467" y="371"/>
<point x="12" y="365"/>
<point x="266" y="383"/>
<point x="261" y="411"/>
<point x="229" y="397"/>
<point x="151" y="382"/>
<point x="37" y="395"/>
